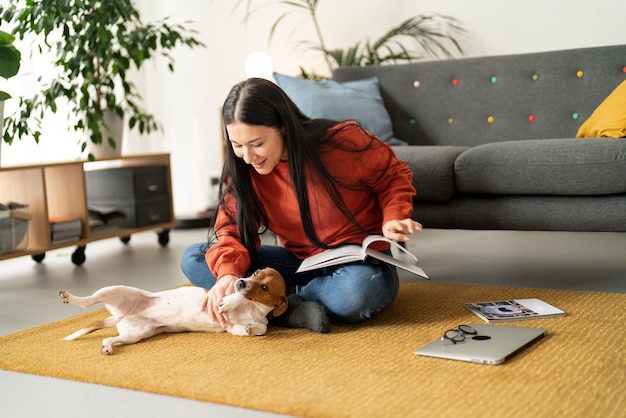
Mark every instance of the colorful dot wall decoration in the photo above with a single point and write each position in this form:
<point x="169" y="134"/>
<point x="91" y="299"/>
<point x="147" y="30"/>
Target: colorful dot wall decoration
<point x="490" y="119"/>
<point x="455" y="82"/>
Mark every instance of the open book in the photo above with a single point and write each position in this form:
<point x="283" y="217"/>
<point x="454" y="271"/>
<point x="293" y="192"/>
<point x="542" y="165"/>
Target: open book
<point x="353" y="252"/>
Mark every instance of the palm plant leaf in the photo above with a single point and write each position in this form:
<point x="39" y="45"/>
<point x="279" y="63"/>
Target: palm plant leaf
<point x="298" y="6"/>
<point x="434" y="35"/>
<point x="426" y="31"/>
<point x="345" y="57"/>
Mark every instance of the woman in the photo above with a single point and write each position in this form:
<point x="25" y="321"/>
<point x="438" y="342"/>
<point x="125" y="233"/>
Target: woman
<point x="316" y="184"/>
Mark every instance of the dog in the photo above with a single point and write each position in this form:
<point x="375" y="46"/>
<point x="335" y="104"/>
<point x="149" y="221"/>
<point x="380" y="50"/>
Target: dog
<point x="139" y="314"/>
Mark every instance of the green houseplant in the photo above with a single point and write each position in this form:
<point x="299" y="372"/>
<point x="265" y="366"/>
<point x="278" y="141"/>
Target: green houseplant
<point x="95" y="43"/>
<point x="10" y="59"/>
<point x="433" y="35"/>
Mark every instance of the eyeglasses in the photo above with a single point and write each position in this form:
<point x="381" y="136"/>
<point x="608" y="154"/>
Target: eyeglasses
<point x="458" y="335"/>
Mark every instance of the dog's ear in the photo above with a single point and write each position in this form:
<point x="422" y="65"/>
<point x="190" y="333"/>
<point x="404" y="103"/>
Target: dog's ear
<point x="281" y="307"/>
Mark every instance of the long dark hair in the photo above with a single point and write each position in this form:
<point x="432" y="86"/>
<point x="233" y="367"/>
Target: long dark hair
<point x="257" y="101"/>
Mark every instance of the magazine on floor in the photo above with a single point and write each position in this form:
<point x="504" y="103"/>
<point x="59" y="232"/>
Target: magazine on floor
<point x="514" y="310"/>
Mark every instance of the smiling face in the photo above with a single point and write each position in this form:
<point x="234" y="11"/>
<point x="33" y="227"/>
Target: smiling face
<point x="260" y="146"/>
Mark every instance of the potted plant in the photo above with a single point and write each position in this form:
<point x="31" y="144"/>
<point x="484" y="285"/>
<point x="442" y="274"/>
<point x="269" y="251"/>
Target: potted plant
<point x="433" y="35"/>
<point x="10" y="59"/>
<point x="95" y="43"/>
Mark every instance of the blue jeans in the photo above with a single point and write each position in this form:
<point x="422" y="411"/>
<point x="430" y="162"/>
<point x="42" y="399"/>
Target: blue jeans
<point x="349" y="292"/>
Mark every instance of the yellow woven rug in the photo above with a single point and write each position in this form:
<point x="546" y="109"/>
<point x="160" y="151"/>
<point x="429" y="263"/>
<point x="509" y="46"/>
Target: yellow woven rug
<point x="368" y="370"/>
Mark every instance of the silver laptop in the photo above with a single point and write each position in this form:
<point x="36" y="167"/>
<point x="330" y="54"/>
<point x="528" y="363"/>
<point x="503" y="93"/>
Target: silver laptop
<point x="492" y="344"/>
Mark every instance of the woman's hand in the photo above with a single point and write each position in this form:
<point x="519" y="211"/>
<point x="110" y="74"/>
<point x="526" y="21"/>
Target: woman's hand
<point x="399" y="230"/>
<point x="214" y="296"/>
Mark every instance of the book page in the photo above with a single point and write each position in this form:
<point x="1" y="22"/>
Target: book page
<point x="398" y="263"/>
<point x="344" y="254"/>
<point x="373" y="238"/>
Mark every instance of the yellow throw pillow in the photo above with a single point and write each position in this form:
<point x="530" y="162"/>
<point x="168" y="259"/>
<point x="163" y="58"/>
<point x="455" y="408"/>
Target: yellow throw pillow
<point x="609" y="119"/>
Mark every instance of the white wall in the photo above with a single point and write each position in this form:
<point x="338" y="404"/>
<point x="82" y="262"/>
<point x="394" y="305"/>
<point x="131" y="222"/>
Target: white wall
<point x="188" y="101"/>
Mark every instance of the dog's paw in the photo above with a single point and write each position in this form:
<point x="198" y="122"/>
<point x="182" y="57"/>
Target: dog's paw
<point x="256" y="329"/>
<point x="107" y="347"/>
<point x="64" y="296"/>
<point x="222" y="308"/>
<point x="229" y="303"/>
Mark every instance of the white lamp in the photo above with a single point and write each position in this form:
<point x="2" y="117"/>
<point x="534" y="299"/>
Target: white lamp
<point x="259" y="64"/>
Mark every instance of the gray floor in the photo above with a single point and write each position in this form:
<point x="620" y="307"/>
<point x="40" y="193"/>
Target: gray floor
<point x="28" y="297"/>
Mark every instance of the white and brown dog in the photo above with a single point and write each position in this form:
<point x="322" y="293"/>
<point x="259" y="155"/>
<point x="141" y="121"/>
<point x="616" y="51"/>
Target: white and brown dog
<point x="139" y="314"/>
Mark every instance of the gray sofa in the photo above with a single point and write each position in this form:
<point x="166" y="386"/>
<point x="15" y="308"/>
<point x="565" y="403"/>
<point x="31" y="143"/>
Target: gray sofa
<point x="492" y="139"/>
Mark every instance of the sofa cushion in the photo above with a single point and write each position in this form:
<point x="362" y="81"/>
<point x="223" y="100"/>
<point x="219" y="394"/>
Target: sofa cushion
<point x="545" y="167"/>
<point x="609" y="119"/>
<point x="359" y="100"/>
<point x="433" y="170"/>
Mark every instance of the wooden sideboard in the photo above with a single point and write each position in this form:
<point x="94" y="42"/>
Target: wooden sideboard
<point x="59" y="190"/>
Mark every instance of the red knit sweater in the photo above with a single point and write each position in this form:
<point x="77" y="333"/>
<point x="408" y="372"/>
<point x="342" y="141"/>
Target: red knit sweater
<point x="385" y="193"/>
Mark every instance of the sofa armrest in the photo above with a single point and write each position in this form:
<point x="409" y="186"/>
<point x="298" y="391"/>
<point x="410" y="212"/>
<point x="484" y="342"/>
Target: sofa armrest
<point x="433" y="170"/>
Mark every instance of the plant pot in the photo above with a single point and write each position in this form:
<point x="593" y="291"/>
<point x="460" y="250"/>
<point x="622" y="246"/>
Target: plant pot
<point x="113" y="126"/>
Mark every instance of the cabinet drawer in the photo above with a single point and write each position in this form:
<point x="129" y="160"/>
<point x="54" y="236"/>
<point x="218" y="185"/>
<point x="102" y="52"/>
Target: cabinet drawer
<point x="127" y="183"/>
<point x="150" y="181"/>
<point x="152" y="212"/>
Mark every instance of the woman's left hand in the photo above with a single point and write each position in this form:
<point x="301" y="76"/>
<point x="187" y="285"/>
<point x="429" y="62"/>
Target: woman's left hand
<point x="399" y="230"/>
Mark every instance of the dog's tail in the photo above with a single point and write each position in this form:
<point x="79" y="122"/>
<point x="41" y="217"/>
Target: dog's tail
<point x="105" y="323"/>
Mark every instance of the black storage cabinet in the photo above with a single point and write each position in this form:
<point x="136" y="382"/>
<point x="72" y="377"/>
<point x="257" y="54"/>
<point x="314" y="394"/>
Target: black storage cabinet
<point x="140" y="192"/>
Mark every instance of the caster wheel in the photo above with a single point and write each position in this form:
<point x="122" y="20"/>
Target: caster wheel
<point x="125" y="240"/>
<point x="38" y="257"/>
<point x="78" y="257"/>
<point x="164" y="237"/>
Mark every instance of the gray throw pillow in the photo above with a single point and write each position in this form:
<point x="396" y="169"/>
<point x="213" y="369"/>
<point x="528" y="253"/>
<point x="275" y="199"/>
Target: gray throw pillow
<point x="359" y="100"/>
